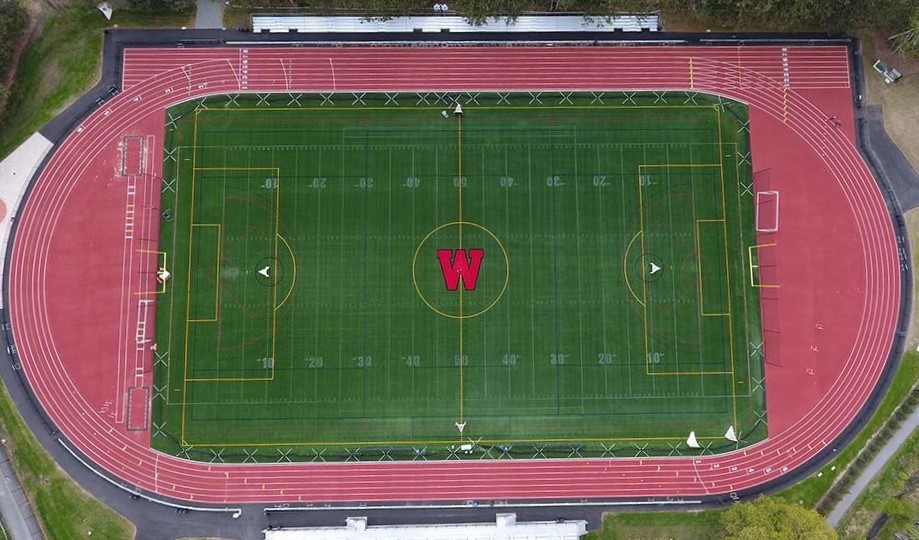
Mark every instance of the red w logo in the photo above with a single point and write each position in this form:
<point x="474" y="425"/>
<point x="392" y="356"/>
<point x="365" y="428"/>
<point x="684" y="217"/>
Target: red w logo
<point x="455" y="265"/>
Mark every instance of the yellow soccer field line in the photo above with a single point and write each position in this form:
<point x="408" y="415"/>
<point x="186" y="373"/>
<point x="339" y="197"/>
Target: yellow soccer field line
<point x="274" y="302"/>
<point x="339" y="108"/>
<point x="690" y="373"/>
<point x="443" y="441"/>
<point x="699" y="268"/>
<point x="293" y="279"/>
<point x="641" y="214"/>
<point x="641" y="265"/>
<point x="194" y="163"/>
<point x="247" y="169"/>
<point x="216" y="316"/>
<point x="459" y="190"/>
<point x="188" y="321"/>
<point x="459" y="199"/>
<point x="754" y="266"/>
<point x="678" y="165"/>
<point x="229" y="379"/>
<point x="625" y="268"/>
<point x="162" y="288"/>
<point x="726" y="268"/>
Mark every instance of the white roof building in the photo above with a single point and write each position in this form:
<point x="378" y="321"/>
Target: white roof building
<point x="505" y="527"/>
<point x="452" y="23"/>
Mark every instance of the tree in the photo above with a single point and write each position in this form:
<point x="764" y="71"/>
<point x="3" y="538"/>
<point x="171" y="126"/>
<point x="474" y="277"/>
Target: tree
<point x="768" y="518"/>
<point x="160" y="6"/>
<point x="12" y="24"/>
<point x="907" y="42"/>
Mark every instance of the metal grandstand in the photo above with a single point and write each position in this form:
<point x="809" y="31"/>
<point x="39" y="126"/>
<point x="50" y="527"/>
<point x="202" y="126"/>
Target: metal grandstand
<point x="505" y="527"/>
<point x="643" y="22"/>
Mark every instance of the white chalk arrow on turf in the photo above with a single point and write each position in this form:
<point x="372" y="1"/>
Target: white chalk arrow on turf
<point x="460" y="426"/>
<point x="654" y="268"/>
<point x="264" y="272"/>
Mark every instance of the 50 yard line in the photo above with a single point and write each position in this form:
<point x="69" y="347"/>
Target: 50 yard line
<point x="459" y="198"/>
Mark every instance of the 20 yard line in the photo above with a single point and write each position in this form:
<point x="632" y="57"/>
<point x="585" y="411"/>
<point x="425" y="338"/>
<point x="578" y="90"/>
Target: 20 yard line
<point x="603" y="296"/>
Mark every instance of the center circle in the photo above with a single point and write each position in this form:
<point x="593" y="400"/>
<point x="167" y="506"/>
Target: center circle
<point x="475" y="293"/>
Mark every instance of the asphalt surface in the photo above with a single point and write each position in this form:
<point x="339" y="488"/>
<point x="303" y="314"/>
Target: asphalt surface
<point x="209" y="14"/>
<point x="17" y="514"/>
<point x="873" y="468"/>
<point x="900" y="174"/>
<point x="159" y="522"/>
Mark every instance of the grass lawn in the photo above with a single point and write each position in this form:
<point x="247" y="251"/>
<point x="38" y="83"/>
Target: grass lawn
<point x="810" y="491"/>
<point x="311" y="249"/>
<point x="61" y="64"/>
<point x="63" y="508"/>
<point x="894" y="492"/>
<point x="659" y="526"/>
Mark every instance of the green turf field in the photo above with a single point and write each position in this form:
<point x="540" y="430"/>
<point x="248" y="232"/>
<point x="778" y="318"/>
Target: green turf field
<point x="314" y="241"/>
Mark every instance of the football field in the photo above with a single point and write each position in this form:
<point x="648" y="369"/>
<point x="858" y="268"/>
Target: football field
<point x="375" y="276"/>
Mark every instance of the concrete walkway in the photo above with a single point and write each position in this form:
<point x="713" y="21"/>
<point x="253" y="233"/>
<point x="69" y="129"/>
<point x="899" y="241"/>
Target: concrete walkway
<point x="17" y="515"/>
<point x="210" y="14"/>
<point x="15" y="173"/>
<point x="873" y="468"/>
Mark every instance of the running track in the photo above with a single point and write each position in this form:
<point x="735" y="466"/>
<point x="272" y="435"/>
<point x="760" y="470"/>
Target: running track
<point x="831" y="322"/>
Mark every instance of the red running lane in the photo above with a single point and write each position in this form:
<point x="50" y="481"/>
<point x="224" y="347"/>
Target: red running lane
<point x="836" y="259"/>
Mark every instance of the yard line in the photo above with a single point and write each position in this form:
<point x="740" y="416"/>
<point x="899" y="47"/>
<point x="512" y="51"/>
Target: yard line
<point x="437" y="336"/>
<point x="291" y="317"/>
<point x="692" y="195"/>
<point x="223" y="215"/>
<point x="743" y="262"/>
<point x="316" y="253"/>
<point x="341" y="281"/>
<point x="552" y="198"/>
<point x="532" y="275"/>
<point x="390" y="361"/>
<point x="577" y="243"/>
<point x="415" y="302"/>
<point x="366" y="329"/>
<point x="628" y="319"/>
<point x="484" y="325"/>
<point x="507" y="231"/>
<point x="644" y="159"/>
<point x="600" y="244"/>
<point x="673" y="297"/>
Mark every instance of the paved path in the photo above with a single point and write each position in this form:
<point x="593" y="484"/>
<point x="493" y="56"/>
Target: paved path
<point x="15" y="171"/>
<point x="17" y="515"/>
<point x="873" y="468"/>
<point x="210" y="14"/>
<point x="901" y="176"/>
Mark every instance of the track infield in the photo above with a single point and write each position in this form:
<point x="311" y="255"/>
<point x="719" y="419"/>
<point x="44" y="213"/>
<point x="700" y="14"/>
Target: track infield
<point x="318" y="302"/>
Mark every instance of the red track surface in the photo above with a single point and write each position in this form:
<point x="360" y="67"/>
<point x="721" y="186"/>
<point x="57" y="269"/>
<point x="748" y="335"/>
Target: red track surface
<point x="831" y="323"/>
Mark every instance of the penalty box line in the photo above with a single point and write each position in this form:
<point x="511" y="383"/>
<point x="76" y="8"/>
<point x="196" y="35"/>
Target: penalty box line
<point x="648" y="370"/>
<point x="277" y="188"/>
<point x="185" y="378"/>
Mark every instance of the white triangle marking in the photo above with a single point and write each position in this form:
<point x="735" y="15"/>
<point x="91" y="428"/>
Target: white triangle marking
<point x="730" y="435"/>
<point x="461" y="427"/>
<point x="264" y="272"/>
<point x="655" y="268"/>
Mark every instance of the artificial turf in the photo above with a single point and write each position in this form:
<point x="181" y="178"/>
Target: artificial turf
<point x="309" y="312"/>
